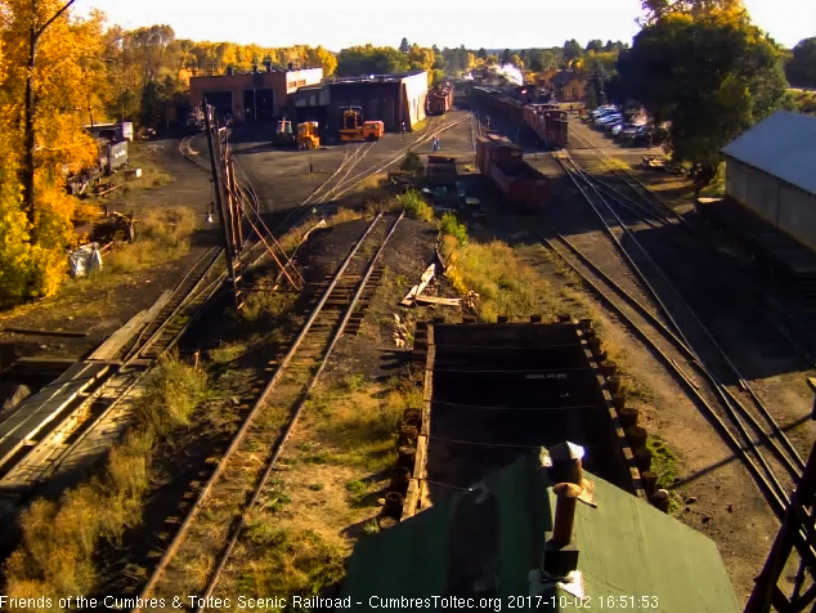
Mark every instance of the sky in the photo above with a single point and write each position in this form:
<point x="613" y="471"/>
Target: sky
<point x="474" y="23"/>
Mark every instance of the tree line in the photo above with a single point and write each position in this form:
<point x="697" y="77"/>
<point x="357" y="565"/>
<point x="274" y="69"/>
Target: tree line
<point x="699" y="64"/>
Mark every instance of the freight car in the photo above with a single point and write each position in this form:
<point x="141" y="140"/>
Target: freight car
<point x="547" y="121"/>
<point x="523" y="187"/>
<point x="440" y="99"/>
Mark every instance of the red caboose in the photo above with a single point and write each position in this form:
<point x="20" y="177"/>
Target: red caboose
<point x="440" y="99"/>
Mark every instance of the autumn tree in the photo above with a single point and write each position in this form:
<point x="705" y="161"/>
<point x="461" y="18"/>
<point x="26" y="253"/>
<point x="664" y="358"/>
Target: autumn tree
<point x="657" y="9"/>
<point x="34" y="17"/>
<point x="50" y="71"/>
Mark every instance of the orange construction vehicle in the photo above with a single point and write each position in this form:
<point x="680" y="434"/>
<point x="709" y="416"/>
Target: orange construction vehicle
<point x="307" y="135"/>
<point x="355" y="129"/>
<point x="373" y="130"/>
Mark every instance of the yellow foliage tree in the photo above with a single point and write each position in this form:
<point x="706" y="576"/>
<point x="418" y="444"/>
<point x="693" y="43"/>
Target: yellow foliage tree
<point x="33" y="238"/>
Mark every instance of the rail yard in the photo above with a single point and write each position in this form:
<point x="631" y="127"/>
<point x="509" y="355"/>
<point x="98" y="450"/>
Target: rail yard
<point x="391" y="295"/>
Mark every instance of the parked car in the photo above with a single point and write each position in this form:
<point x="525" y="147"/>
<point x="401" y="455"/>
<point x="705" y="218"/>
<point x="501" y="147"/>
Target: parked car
<point x="608" y="127"/>
<point x="601" y="122"/>
<point x="604" y="110"/>
<point x="617" y="129"/>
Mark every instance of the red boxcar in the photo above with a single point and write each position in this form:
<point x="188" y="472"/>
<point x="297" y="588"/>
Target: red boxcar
<point x="440" y="99"/>
<point x="524" y="188"/>
<point x="548" y="123"/>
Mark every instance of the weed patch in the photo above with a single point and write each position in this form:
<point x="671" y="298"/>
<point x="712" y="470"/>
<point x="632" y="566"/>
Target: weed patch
<point x="664" y="462"/>
<point x="55" y="558"/>
<point x="160" y="237"/>
<point x="170" y="394"/>
<point x="414" y="203"/>
<point x="505" y="284"/>
<point x="294" y="562"/>
<point x="267" y="305"/>
<point x="451" y="226"/>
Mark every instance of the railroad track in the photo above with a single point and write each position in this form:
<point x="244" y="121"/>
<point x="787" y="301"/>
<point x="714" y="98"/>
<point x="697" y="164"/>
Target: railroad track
<point x="628" y="190"/>
<point x="76" y="437"/>
<point x="745" y="422"/>
<point x="343" y="181"/>
<point x="190" y="154"/>
<point x="214" y="522"/>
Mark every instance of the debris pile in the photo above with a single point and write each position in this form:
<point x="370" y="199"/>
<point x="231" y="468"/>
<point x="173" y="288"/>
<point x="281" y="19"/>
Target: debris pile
<point x="401" y="333"/>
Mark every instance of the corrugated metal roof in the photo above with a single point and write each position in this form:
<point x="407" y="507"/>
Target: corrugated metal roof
<point x="783" y="145"/>
<point x="484" y="543"/>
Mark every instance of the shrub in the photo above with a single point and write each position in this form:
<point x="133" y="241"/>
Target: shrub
<point x="411" y="163"/>
<point x="170" y="394"/>
<point x="452" y="227"/>
<point x="415" y="204"/>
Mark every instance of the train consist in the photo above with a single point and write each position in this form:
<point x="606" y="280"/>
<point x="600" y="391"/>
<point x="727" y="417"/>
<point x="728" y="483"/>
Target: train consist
<point x="547" y="121"/>
<point x="524" y="188"/>
<point x="440" y="99"/>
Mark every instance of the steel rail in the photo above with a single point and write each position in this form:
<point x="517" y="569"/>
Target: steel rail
<point x="795" y="459"/>
<point x="728" y="402"/>
<point x="298" y="409"/>
<point x="248" y="421"/>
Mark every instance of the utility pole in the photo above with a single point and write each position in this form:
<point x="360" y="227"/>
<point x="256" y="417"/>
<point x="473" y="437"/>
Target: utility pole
<point x="218" y="188"/>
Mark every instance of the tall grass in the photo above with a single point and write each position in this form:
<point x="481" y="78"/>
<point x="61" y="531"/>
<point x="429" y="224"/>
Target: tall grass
<point x="161" y="236"/>
<point x="505" y="283"/>
<point x="56" y="556"/>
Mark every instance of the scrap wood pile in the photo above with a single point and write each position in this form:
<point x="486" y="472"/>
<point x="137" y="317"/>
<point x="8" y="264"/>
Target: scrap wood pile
<point x="424" y="294"/>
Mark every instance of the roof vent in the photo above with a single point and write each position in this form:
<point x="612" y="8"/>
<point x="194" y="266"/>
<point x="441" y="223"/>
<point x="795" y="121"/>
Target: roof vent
<point x="566" y="463"/>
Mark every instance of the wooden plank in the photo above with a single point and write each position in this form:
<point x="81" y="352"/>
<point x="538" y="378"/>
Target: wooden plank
<point x="437" y="300"/>
<point x="426" y="278"/>
<point x="45" y="360"/>
<point x="38" y="332"/>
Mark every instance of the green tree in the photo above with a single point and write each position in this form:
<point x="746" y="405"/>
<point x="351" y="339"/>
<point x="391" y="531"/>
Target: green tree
<point x="801" y="68"/>
<point x="596" y="86"/>
<point x="482" y="54"/>
<point x="572" y="50"/>
<point x="369" y="59"/>
<point x="506" y="57"/>
<point x="712" y="76"/>
<point x="404" y="46"/>
<point x="595" y="45"/>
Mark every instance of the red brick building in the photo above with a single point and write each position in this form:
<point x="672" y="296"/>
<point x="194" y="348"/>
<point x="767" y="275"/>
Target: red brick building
<point x="257" y="96"/>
